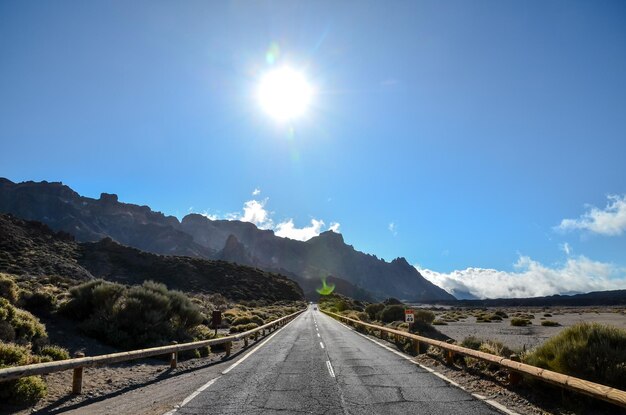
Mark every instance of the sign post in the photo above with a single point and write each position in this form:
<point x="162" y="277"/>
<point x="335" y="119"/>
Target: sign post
<point x="409" y="317"/>
<point x="216" y="320"/>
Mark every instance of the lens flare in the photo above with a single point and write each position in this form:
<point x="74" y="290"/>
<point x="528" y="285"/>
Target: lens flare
<point x="272" y="54"/>
<point x="325" y="289"/>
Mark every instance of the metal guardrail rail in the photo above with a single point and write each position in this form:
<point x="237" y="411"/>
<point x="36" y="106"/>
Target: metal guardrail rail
<point x="516" y="368"/>
<point x="79" y="363"/>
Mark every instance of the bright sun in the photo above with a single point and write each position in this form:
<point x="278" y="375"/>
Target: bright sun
<point x="284" y="94"/>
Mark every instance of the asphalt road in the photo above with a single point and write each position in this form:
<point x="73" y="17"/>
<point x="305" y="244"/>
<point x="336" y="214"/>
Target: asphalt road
<point x="315" y="365"/>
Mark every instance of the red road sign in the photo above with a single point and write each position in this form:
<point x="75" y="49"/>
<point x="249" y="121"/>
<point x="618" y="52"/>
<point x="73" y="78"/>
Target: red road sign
<point x="409" y="317"/>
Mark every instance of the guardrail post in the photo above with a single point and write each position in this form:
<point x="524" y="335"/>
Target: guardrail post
<point x="245" y="341"/>
<point x="174" y="358"/>
<point x="449" y="354"/>
<point x="416" y="346"/>
<point x="256" y="335"/>
<point x="77" y="379"/>
<point x="514" y="377"/>
<point x="228" y="346"/>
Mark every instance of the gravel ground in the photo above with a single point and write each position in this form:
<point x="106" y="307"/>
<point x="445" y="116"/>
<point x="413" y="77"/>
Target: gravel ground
<point x="109" y="381"/>
<point x="519" y="338"/>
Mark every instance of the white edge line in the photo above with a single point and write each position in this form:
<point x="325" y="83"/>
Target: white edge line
<point x="256" y="347"/>
<point x="198" y="391"/>
<point x="193" y="395"/>
<point x="330" y="368"/>
<point x="209" y="383"/>
<point x="488" y="401"/>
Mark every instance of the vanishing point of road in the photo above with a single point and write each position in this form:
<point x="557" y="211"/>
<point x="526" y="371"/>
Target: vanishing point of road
<point x="315" y="365"/>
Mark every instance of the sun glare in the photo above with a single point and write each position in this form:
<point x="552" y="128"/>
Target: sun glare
<point x="284" y="94"/>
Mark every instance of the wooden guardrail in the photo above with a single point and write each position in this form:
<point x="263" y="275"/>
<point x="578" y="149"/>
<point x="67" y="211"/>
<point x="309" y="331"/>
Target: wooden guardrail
<point x="79" y="363"/>
<point x="516" y="368"/>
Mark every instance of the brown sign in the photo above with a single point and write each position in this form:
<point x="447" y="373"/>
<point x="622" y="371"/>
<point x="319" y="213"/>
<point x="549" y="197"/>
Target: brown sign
<point x="216" y="319"/>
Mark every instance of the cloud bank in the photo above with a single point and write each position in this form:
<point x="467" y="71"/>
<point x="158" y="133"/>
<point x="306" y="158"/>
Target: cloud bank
<point x="255" y="211"/>
<point x="531" y="279"/>
<point x="288" y="230"/>
<point x="610" y="221"/>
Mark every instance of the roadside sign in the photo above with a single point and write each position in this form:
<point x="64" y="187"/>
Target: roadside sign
<point x="409" y="317"/>
<point x="216" y="319"/>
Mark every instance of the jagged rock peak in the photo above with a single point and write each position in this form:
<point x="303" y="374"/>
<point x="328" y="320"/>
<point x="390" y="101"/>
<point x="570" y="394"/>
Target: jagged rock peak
<point x="401" y="261"/>
<point x="330" y="236"/>
<point x="108" y="197"/>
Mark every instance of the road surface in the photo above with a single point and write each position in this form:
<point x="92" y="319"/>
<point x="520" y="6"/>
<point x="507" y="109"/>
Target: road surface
<point x="316" y="365"/>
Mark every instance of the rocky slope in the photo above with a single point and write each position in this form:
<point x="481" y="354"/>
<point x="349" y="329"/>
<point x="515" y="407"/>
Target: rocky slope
<point x="32" y="248"/>
<point x="197" y="236"/>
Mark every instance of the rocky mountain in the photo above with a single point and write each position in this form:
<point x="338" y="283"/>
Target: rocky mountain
<point x="90" y="220"/>
<point x="307" y="262"/>
<point x="32" y="248"/>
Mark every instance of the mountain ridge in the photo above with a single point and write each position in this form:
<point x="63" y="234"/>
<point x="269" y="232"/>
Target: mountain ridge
<point x="327" y="254"/>
<point x="32" y="248"/>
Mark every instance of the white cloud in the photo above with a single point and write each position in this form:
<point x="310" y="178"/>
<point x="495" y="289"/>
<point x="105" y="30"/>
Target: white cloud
<point x="565" y="247"/>
<point x="209" y="216"/>
<point x="608" y="221"/>
<point x="334" y="226"/>
<point x="256" y="192"/>
<point x="393" y="228"/>
<point x="288" y="230"/>
<point x="532" y="279"/>
<point x="254" y="212"/>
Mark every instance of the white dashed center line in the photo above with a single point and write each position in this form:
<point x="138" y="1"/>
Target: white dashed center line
<point x="321" y="345"/>
<point x="330" y="368"/>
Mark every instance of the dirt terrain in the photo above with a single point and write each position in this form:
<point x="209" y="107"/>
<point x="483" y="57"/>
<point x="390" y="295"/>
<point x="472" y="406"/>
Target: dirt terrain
<point x="168" y="386"/>
<point x="524" y="338"/>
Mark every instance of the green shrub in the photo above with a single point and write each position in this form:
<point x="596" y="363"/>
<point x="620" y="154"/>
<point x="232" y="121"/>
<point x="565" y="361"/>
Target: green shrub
<point x="549" y="323"/>
<point x="55" y="352"/>
<point x="373" y="310"/>
<point x="202" y="332"/>
<point x="501" y="314"/>
<point x="472" y="342"/>
<point x="424" y="316"/>
<point x="394" y="312"/>
<point x="517" y="321"/>
<point x="243" y="327"/>
<point x="363" y="316"/>
<point x="495" y="347"/>
<point x="590" y="351"/>
<point x="14" y="355"/>
<point x="38" y="301"/>
<point x="439" y="323"/>
<point x="139" y="316"/>
<point x="342" y="305"/>
<point x="90" y="297"/>
<point x="8" y="288"/>
<point x="19" y="325"/>
<point x="24" y="390"/>
<point x="247" y="320"/>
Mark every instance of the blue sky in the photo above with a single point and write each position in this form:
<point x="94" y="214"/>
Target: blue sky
<point x="456" y="134"/>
